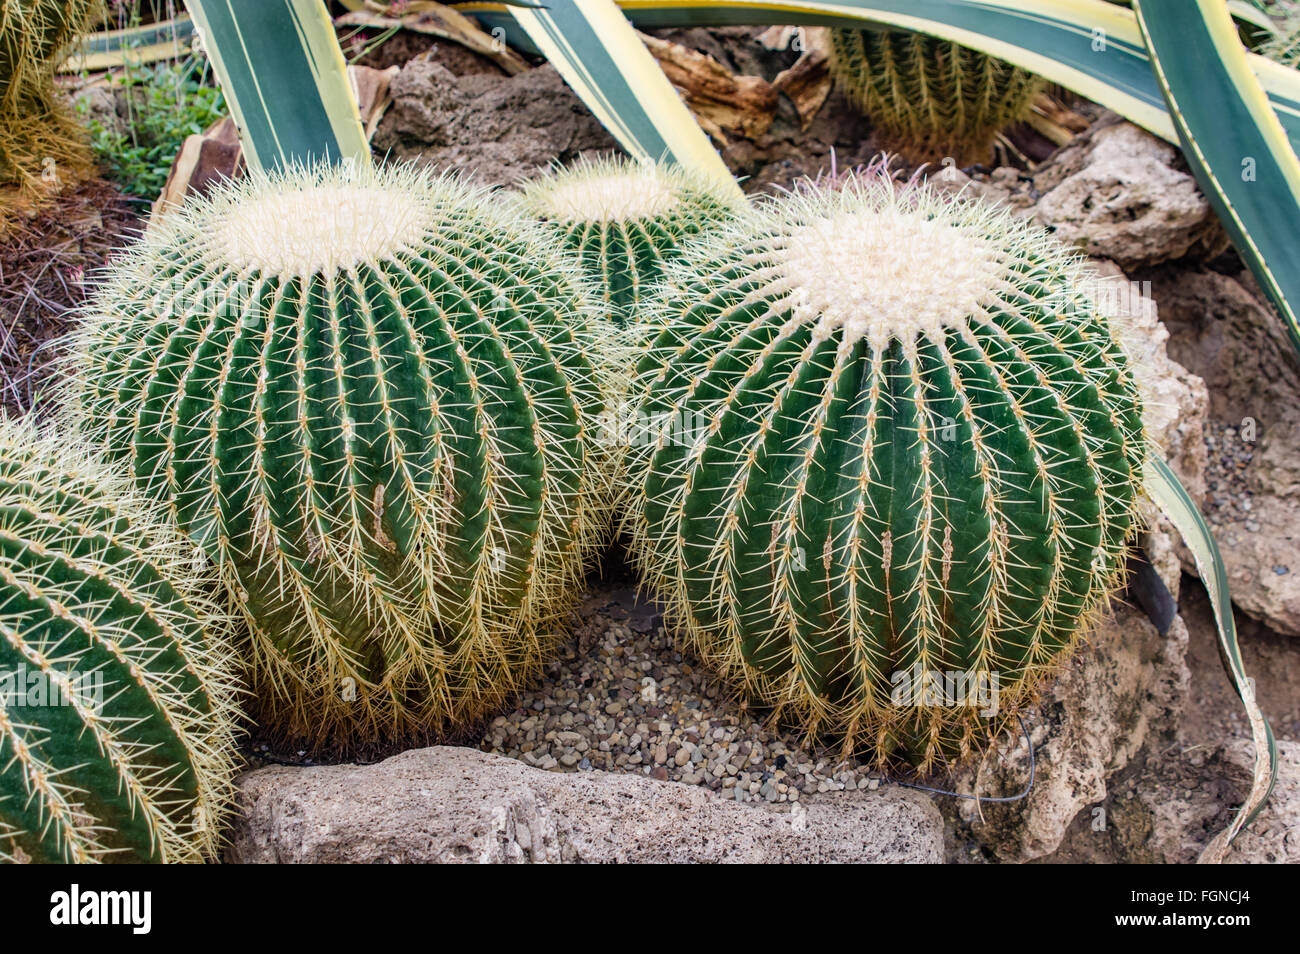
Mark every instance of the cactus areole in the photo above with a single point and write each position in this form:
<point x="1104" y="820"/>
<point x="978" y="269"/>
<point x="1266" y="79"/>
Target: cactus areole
<point x="891" y="463"/>
<point x="368" y="395"/>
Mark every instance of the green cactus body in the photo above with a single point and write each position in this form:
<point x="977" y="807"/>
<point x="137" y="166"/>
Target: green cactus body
<point x="623" y="221"/>
<point x="890" y="438"/>
<point x="116" y="684"/>
<point x="37" y="133"/>
<point x="931" y="98"/>
<point x="369" y="396"/>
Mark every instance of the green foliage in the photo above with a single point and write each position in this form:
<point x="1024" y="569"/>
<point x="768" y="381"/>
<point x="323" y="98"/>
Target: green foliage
<point x="164" y="102"/>
<point x="116" y="687"/>
<point x="889" y="436"/>
<point x="1284" y="47"/>
<point x="623" y="220"/>
<point x="38" y="137"/>
<point x="930" y="97"/>
<point x="370" y="397"/>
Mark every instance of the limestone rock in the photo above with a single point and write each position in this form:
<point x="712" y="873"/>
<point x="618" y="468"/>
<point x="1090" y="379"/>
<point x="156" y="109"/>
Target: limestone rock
<point x="1122" y="689"/>
<point x="1118" y="192"/>
<point x="447" y="804"/>
<point x="1175" y="400"/>
<point x="1184" y="808"/>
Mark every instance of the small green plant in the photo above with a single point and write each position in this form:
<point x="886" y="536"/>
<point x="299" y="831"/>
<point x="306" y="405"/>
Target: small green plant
<point x="164" y="102"/>
<point x="371" y="396"/>
<point x="1284" y="46"/>
<point x="623" y="220"/>
<point x="891" y="439"/>
<point x="39" y="141"/>
<point x="931" y="98"/>
<point x="117" y="694"/>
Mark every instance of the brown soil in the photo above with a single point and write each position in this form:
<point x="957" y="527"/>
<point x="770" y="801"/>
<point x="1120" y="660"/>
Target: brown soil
<point x="48" y="265"/>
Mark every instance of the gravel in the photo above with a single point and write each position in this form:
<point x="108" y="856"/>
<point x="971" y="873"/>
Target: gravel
<point x="1228" y="495"/>
<point x="620" y="697"/>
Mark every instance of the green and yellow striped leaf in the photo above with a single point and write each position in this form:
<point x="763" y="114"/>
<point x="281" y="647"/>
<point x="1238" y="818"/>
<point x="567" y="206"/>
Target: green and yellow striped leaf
<point x="284" y="78"/>
<point x="602" y="59"/>
<point x="1232" y="139"/>
<point x="108" y="49"/>
<point x="1252" y="17"/>
<point x="1164" y="488"/>
<point x="1090" y="46"/>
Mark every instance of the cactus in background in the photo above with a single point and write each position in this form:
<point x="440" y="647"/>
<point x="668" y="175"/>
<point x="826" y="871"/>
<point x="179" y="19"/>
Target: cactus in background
<point x="370" y="397"/>
<point x="890" y="439"/>
<point x="37" y="133"/>
<point x="116" y="686"/>
<point x="931" y="98"/>
<point x="623" y="220"/>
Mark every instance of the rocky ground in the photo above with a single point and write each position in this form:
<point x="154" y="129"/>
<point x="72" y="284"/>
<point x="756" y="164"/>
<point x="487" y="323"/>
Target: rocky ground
<point x="447" y="804"/>
<point x="621" y="697"/>
<point x="622" y="702"/>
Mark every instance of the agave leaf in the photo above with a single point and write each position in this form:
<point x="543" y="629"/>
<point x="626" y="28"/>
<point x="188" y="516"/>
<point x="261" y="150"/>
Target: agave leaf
<point x="600" y="56"/>
<point x="1090" y="46"/>
<point x="108" y="49"/>
<point x="1232" y="138"/>
<point x="1251" y="17"/>
<point x="1164" y="488"/>
<point x="284" y="78"/>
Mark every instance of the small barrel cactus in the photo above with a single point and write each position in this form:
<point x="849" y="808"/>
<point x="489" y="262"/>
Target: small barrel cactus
<point x="931" y="98"/>
<point x="117" y="691"/>
<point x="623" y="220"/>
<point x="37" y="134"/>
<point x="369" y="396"/>
<point x="892" y="448"/>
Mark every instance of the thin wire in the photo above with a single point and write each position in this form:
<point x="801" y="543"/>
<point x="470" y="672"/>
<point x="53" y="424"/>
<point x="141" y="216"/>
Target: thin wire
<point x="982" y="798"/>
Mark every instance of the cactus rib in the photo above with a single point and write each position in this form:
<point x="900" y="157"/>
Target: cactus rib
<point x="929" y="97"/>
<point x="623" y="220"/>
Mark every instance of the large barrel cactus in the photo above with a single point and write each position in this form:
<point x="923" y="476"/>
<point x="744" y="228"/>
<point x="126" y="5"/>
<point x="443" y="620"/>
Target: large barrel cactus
<point x="623" y="220"/>
<point x="370" y="397"/>
<point x="891" y="465"/>
<point x="116" y="681"/>
<point x="931" y="98"/>
<point x="37" y="134"/>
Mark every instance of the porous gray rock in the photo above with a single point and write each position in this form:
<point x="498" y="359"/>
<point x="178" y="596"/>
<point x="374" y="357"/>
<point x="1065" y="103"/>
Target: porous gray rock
<point x="494" y="128"/>
<point x="1118" y="192"/>
<point x="447" y="804"/>
<point x="1122" y="690"/>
